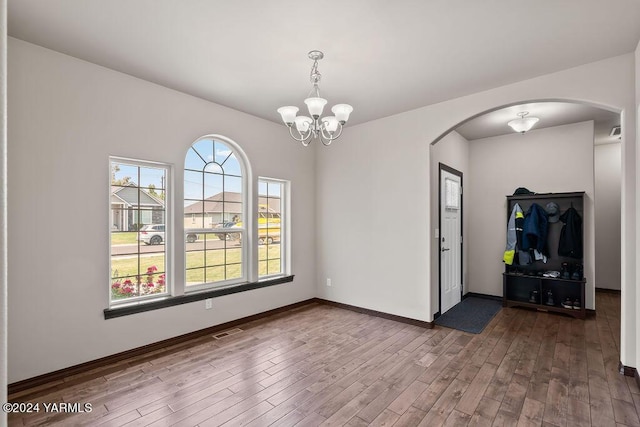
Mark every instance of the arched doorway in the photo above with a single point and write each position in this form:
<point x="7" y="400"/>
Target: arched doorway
<point x="560" y="120"/>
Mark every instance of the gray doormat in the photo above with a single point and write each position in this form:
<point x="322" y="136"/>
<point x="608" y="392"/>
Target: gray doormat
<point x="472" y="314"/>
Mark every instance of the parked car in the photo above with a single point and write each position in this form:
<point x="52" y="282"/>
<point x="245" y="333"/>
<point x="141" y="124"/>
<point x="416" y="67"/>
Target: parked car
<point x="226" y="235"/>
<point x="153" y="234"/>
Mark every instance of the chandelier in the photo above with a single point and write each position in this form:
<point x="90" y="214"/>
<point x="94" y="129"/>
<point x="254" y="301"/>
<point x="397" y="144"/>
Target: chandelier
<point x="523" y="124"/>
<point x="326" y="129"/>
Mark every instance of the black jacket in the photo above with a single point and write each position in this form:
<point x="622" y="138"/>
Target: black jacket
<point x="570" y="243"/>
<point x="534" y="229"/>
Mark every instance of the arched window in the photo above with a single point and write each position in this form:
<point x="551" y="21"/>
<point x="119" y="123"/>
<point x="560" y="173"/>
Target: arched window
<point x="215" y="214"/>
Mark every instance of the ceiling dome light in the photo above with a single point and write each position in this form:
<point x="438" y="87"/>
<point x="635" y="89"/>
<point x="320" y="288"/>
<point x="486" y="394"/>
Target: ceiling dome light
<point x="523" y="124"/>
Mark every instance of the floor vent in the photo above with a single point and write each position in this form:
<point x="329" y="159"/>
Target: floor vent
<point x="227" y="333"/>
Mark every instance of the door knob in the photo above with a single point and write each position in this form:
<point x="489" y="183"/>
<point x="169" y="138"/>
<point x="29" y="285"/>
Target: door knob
<point x="445" y="249"/>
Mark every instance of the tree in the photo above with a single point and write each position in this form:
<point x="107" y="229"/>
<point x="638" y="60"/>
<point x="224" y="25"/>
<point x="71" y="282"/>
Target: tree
<point x="121" y="181"/>
<point x="152" y="191"/>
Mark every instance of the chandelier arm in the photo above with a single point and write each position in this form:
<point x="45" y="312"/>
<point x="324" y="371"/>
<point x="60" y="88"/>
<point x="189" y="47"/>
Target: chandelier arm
<point x="326" y="136"/>
<point x="334" y="136"/>
<point x="302" y="138"/>
<point x="325" y="141"/>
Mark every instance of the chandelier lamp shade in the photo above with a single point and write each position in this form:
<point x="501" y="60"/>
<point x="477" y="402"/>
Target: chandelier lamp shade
<point x="524" y="123"/>
<point x="304" y="129"/>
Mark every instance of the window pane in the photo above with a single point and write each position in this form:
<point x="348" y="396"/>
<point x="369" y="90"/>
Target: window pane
<point x="193" y="161"/>
<point x="232" y="211"/>
<point x="262" y="188"/>
<point x="215" y="257"/>
<point x="152" y="178"/>
<point x="234" y="271"/>
<point x="231" y="166"/>
<point x="123" y="174"/>
<point x="274" y="189"/>
<point x="195" y="276"/>
<point x="274" y="267"/>
<point x="215" y="274"/>
<point x="193" y="217"/>
<point x="193" y="182"/>
<point x="222" y="152"/>
<point x="213" y="168"/>
<point x="195" y="259"/>
<point x="233" y="184"/>
<point x="213" y="214"/>
<point x="204" y="148"/>
<point x="213" y="186"/>
<point x="262" y="268"/>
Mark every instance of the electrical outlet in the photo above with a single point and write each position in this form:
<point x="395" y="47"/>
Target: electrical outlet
<point x="208" y="303"/>
<point x="328" y="282"/>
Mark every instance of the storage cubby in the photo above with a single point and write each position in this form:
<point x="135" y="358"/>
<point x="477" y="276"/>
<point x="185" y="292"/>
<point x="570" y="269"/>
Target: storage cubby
<point x="519" y="281"/>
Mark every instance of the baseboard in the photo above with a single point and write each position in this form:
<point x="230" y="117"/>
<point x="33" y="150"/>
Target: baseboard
<point x="628" y="371"/>
<point x="58" y="376"/>
<point x="375" y="313"/>
<point x="485" y="296"/>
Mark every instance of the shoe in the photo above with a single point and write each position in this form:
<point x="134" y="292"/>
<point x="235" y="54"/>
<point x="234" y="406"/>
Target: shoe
<point x="567" y="303"/>
<point x="565" y="271"/>
<point x="533" y="297"/>
<point x="576" y="305"/>
<point x="577" y="272"/>
<point x="550" y="300"/>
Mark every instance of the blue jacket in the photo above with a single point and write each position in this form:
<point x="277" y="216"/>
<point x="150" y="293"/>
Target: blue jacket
<point x="534" y="229"/>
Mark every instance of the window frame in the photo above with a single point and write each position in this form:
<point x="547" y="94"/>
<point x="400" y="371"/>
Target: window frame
<point x="284" y="215"/>
<point x="168" y="231"/>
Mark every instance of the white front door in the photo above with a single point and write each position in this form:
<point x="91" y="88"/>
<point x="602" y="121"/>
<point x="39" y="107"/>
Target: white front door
<point x="450" y="239"/>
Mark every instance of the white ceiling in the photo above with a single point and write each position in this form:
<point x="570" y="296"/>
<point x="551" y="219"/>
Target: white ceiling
<point x="383" y="57"/>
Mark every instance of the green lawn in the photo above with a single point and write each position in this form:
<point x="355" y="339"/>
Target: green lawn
<point x="124" y="237"/>
<point x="201" y="265"/>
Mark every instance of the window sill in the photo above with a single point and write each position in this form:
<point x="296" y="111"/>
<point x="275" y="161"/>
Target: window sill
<point x="126" y="310"/>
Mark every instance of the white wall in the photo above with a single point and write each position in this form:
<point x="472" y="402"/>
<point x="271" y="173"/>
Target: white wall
<point x="634" y="305"/>
<point x="66" y="118"/>
<point x="607" y="168"/>
<point x="453" y="151"/>
<point x="3" y="207"/>
<point x="550" y="160"/>
<point x="383" y="264"/>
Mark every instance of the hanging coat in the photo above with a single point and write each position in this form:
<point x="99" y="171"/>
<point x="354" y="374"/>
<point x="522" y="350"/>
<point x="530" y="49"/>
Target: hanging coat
<point x="514" y="234"/>
<point x="570" y="243"/>
<point x="534" y="229"/>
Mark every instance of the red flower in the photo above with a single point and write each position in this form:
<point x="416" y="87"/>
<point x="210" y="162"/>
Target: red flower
<point x="152" y="269"/>
<point x="128" y="282"/>
<point x="116" y="285"/>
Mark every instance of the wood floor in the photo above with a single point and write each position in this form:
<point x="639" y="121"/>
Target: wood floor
<point x="322" y="365"/>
